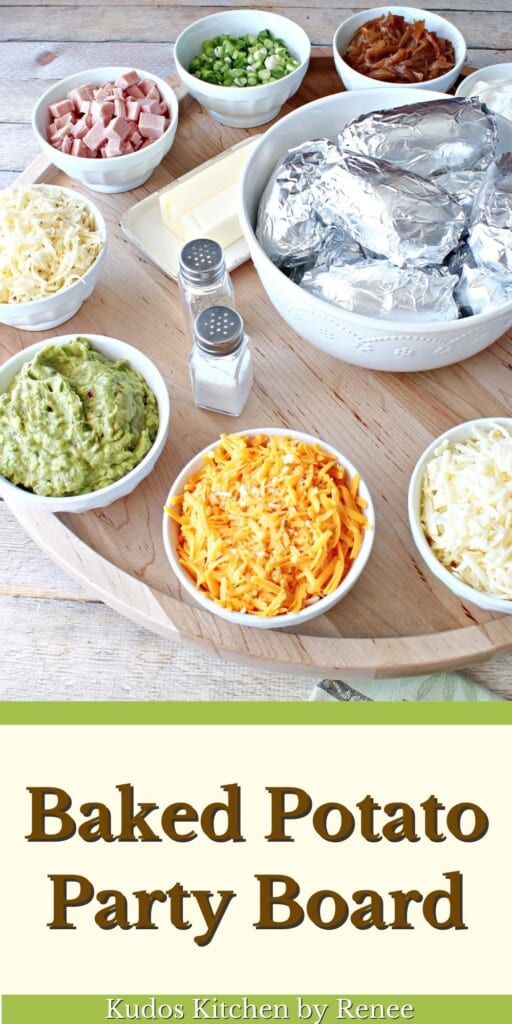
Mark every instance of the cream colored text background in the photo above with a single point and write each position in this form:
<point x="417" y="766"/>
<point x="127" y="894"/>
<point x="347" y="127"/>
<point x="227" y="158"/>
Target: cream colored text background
<point x="169" y="764"/>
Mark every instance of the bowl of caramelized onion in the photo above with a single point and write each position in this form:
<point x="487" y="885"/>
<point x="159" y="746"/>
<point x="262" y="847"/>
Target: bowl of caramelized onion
<point x="401" y="46"/>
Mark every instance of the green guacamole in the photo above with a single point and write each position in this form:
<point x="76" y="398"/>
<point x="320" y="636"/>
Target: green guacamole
<point x="73" y="421"/>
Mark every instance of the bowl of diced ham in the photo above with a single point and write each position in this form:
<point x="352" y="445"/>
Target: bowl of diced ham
<point x="108" y="127"/>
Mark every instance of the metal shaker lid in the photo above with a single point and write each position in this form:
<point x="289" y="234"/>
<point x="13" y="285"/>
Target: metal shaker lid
<point x="218" y="330"/>
<point x="201" y="261"/>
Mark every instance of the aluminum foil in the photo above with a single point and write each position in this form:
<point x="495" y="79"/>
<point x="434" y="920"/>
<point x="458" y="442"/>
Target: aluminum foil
<point x="490" y="235"/>
<point x="340" y="247"/>
<point x="380" y="289"/>
<point x="287" y="226"/>
<point x="463" y="186"/>
<point x="480" y="289"/>
<point x="337" y="247"/>
<point x="390" y="212"/>
<point x="429" y="138"/>
<point x="377" y="238"/>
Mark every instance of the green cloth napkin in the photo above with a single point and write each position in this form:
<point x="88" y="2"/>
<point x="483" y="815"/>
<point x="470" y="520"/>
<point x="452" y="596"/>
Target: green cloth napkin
<point x="439" y="687"/>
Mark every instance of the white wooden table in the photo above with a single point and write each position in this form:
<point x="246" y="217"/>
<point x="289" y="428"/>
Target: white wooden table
<point x="56" y="640"/>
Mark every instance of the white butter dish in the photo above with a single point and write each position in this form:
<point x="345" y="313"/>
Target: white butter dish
<point x="143" y="224"/>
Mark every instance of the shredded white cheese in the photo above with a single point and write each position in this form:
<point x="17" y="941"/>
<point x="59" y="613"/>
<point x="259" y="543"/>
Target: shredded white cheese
<point x="48" y="240"/>
<point x="466" y="509"/>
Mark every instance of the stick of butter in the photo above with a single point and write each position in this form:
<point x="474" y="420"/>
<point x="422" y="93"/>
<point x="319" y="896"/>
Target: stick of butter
<point x="205" y="203"/>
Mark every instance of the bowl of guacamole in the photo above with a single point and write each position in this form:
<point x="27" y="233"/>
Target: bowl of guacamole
<point x="83" y="420"/>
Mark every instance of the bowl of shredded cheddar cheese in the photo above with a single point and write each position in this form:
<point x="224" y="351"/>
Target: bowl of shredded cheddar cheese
<point x="460" y="511"/>
<point x="268" y="527"/>
<point x="52" y="246"/>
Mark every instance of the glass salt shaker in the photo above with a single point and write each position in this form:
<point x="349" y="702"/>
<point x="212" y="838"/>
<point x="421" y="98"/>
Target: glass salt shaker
<point x="220" y="364"/>
<point x="203" y="279"/>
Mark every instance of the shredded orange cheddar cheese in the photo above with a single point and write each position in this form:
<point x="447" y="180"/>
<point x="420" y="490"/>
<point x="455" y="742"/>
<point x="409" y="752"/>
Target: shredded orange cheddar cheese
<point x="269" y="524"/>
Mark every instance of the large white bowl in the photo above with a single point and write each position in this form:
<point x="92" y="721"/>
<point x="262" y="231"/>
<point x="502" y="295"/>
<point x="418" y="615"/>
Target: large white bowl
<point x="53" y="310"/>
<point x="480" y="83"/>
<point x="109" y="174"/>
<point x="461" y="432"/>
<point x="361" y="340"/>
<point x="114" y="349"/>
<point x="254" y="105"/>
<point x="295" y="620"/>
<point x="433" y="22"/>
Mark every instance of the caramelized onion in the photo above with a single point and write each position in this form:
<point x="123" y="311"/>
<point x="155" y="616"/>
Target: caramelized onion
<point x="391" y="49"/>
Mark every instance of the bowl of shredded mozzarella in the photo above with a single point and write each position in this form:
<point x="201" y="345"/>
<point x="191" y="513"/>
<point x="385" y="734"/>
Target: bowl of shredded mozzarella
<point x="52" y="246"/>
<point x="460" y="511"/>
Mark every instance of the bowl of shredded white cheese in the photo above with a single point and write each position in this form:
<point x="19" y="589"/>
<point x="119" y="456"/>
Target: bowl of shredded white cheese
<point x="460" y="511"/>
<point x="52" y="246"/>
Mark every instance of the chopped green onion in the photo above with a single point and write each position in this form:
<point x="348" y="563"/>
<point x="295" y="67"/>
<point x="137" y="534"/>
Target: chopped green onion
<point x="243" y="60"/>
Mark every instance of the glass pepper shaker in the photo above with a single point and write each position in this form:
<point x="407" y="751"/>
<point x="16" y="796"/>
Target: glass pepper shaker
<point x="220" y="363"/>
<point x="203" y="278"/>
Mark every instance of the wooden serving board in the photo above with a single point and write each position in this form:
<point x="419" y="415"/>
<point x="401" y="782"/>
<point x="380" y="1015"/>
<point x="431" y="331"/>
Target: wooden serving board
<point x="397" y="620"/>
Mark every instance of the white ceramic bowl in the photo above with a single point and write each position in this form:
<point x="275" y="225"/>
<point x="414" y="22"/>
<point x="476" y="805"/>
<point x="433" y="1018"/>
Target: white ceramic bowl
<point x="433" y="22"/>
<point x="361" y="340"/>
<point x="110" y="174"/>
<point x="43" y="314"/>
<point x="254" y="105"/>
<point x="170" y="536"/>
<point x="113" y="349"/>
<point x="461" y="432"/>
<point x="487" y="78"/>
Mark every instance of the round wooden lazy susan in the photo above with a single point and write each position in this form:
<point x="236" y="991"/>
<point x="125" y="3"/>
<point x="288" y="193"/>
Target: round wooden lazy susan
<point x="397" y="620"/>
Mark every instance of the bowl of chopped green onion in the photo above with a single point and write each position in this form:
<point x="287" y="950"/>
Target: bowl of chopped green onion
<point x="242" y="66"/>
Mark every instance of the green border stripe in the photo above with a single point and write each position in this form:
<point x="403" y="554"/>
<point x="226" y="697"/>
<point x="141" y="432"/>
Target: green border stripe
<point x="87" y="1009"/>
<point x="253" y="713"/>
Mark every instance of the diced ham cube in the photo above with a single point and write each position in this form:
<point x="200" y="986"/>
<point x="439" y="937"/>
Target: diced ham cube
<point x="102" y="109"/>
<point x="82" y="93"/>
<point x="127" y="78"/>
<point x="133" y="108"/>
<point x="67" y="144"/>
<point x="80" y="129"/>
<point x="135" y="92"/>
<point x="113" y="147"/>
<point x="95" y="135"/>
<point x="59" y="135"/>
<point x="151" y="106"/>
<point x="164" y="109"/>
<point x="78" y="148"/>
<point x="65" y="119"/>
<point x="120" y="107"/>
<point x="151" y="126"/>
<point x="150" y="89"/>
<point x="62" y="107"/>
<point x="104" y="92"/>
<point x="117" y="127"/>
